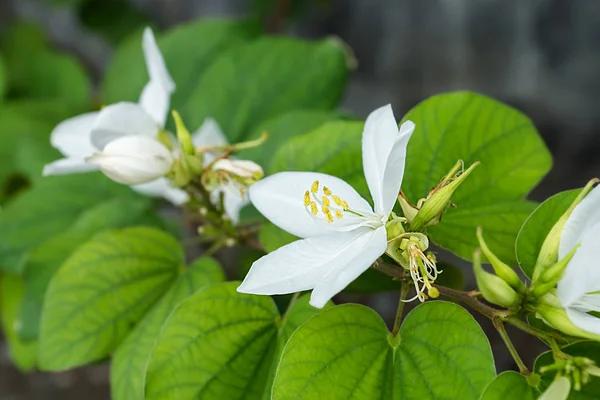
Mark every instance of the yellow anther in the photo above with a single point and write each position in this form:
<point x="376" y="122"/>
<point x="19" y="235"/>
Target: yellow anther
<point x="338" y="214"/>
<point x="325" y="209"/>
<point x="337" y="200"/>
<point x="345" y="205"/>
<point x="313" y="208"/>
<point x="315" y="187"/>
<point x="306" y="198"/>
<point x="326" y="201"/>
<point x="326" y="191"/>
<point x="327" y="213"/>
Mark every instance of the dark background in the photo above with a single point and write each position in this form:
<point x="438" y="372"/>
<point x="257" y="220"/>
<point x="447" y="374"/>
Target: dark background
<point x="541" y="56"/>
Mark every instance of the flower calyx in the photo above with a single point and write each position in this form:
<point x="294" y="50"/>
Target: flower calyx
<point x="429" y="210"/>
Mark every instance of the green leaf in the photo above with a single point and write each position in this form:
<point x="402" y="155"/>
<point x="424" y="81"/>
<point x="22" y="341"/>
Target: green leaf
<point x="537" y="226"/>
<point x="500" y="223"/>
<point x="471" y="127"/>
<point x="587" y="349"/>
<point x="282" y="128"/>
<point x="50" y="207"/>
<point x="22" y="353"/>
<point x="508" y="385"/>
<point x="333" y="148"/>
<point x="128" y="367"/>
<point x="2" y="79"/>
<point x="260" y="80"/>
<point x="272" y="237"/>
<point x="188" y="50"/>
<point x="216" y="337"/>
<point x="346" y="352"/>
<point x="102" y="291"/>
<point x="44" y="260"/>
<point x="100" y="16"/>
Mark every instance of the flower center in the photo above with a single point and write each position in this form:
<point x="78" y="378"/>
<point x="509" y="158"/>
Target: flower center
<point x="321" y="203"/>
<point x="423" y="271"/>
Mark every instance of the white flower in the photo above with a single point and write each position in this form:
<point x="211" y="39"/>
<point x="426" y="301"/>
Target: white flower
<point x="83" y="138"/>
<point x="579" y="288"/>
<point x="133" y="160"/>
<point x="342" y="234"/>
<point x="558" y="390"/>
<point x="207" y="136"/>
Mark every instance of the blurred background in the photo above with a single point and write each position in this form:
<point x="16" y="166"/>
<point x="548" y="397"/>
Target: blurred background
<point x="541" y="56"/>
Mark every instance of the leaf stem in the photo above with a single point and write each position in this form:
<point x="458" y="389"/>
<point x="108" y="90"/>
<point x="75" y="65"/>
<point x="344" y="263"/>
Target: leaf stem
<point x="499" y="325"/>
<point x="400" y="309"/>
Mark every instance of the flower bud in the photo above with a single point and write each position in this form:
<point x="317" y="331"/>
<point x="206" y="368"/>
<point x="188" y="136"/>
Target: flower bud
<point x="394" y="227"/>
<point x="183" y="135"/>
<point x="132" y="160"/>
<point x="431" y="211"/>
<point x="549" y="252"/>
<point x="550" y="276"/>
<point x="554" y="315"/>
<point x="246" y="171"/>
<point x="494" y="289"/>
<point x="502" y="270"/>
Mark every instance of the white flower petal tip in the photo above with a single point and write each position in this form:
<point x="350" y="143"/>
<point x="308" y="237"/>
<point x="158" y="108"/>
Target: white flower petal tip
<point x="133" y="160"/>
<point x="68" y="166"/>
<point x="157" y="69"/>
<point x="241" y="168"/>
<point x="72" y="136"/>
<point x="558" y="390"/>
<point x="209" y="134"/>
<point x="384" y="155"/>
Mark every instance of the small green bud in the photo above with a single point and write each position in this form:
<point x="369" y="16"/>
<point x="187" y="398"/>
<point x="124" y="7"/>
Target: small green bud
<point x="549" y="252"/>
<point x="551" y="275"/>
<point x="553" y="314"/>
<point x="533" y="379"/>
<point x="494" y="289"/>
<point x="502" y="270"/>
<point x="181" y="174"/>
<point x="183" y="135"/>
<point x="395" y="228"/>
<point x="433" y="207"/>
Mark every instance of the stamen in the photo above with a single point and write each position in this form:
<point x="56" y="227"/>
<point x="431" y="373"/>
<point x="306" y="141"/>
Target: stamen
<point x="313" y="208"/>
<point x="339" y="214"/>
<point x="325" y="209"/>
<point x="345" y="205"/>
<point x="315" y="187"/>
<point x="337" y="200"/>
<point x="326" y="201"/>
<point x="306" y="199"/>
<point x="328" y="215"/>
<point x="327" y="191"/>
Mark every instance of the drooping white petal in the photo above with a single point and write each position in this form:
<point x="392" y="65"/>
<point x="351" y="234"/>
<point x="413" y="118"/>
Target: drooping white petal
<point x="155" y="100"/>
<point x="68" y="166"/>
<point x="583" y="217"/>
<point x="301" y="265"/>
<point x="379" y="136"/>
<point x="162" y="187"/>
<point x="122" y="119"/>
<point x="394" y="168"/>
<point x="582" y="274"/>
<point x="132" y="160"/>
<point x="209" y="134"/>
<point x="558" y="390"/>
<point x="233" y="201"/>
<point x="584" y="321"/>
<point x="366" y="249"/>
<point x="72" y="136"/>
<point x="280" y="198"/>
<point x="240" y="168"/>
<point x="155" y="63"/>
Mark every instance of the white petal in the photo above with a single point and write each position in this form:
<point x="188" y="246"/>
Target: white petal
<point x="133" y="160"/>
<point x="584" y="321"/>
<point x="155" y="63"/>
<point x="394" y="168"/>
<point x="558" y="390"/>
<point x="280" y="198"/>
<point x="68" y="166"/>
<point x="378" y="140"/>
<point x="155" y="100"/>
<point x="366" y="249"/>
<point x="122" y="119"/>
<point x="72" y="136"/>
<point x="209" y="134"/>
<point x="583" y="217"/>
<point x="232" y="201"/>
<point x="162" y="187"/>
<point x="302" y="264"/>
<point x="582" y="275"/>
<point x="241" y="168"/>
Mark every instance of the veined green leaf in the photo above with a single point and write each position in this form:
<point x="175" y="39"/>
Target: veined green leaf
<point x="508" y="385"/>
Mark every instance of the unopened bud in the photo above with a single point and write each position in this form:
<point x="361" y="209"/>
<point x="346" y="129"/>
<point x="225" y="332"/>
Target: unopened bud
<point x="550" y="276"/>
<point x="549" y="252"/>
<point x="183" y="135"/>
<point x="502" y="270"/>
<point x="494" y="289"/>
<point x="431" y="211"/>
<point x="181" y="174"/>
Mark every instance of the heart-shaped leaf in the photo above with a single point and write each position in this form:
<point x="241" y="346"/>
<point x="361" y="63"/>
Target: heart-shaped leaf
<point x="508" y="385"/>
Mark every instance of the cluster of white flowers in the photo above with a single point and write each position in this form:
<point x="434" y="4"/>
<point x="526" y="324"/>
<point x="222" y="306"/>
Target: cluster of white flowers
<point x="123" y="141"/>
